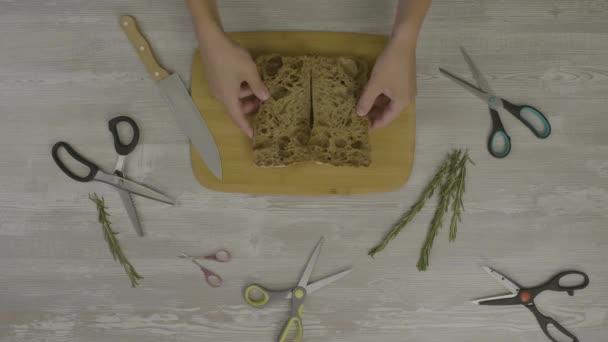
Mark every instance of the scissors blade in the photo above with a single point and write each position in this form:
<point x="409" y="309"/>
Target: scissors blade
<point x="467" y="85"/>
<point x="132" y="187"/>
<point x="120" y="165"/>
<point x="311" y="264"/>
<point x="481" y="301"/>
<point x="127" y="201"/>
<point x="477" y="74"/>
<point x="126" y="198"/>
<point x="503" y="280"/>
<point x="321" y="283"/>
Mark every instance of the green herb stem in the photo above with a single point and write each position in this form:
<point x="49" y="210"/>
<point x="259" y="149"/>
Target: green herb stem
<point x="409" y="215"/>
<point x="110" y="237"/>
<point x="457" y="205"/>
<point x="449" y="184"/>
<point x="445" y="195"/>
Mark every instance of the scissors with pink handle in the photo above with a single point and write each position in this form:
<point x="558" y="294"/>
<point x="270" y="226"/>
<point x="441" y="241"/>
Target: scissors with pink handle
<point x="212" y="278"/>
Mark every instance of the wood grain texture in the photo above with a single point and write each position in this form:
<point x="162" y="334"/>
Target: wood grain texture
<point x="392" y="147"/>
<point x="66" y="68"/>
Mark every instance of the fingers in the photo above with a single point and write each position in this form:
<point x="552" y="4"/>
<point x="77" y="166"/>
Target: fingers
<point x="374" y="114"/>
<point x="250" y="105"/>
<point x="383" y="109"/>
<point x="245" y="91"/>
<point x="390" y="112"/>
<point x="235" y="109"/>
<point x="256" y="86"/>
<point x="238" y="112"/>
<point x="367" y="99"/>
<point x="251" y="91"/>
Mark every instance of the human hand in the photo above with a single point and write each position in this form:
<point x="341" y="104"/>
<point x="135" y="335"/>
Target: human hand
<point x="391" y="86"/>
<point x="233" y="79"/>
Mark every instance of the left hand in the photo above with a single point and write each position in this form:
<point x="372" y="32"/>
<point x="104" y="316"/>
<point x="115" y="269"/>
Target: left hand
<point x="391" y="86"/>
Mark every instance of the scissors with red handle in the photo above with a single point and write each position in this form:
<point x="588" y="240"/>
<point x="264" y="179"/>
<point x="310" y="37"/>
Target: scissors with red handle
<point x="525" y="296"/>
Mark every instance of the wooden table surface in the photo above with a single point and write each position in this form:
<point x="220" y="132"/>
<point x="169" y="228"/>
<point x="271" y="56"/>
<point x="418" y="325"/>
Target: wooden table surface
<point x="66" y="68"/>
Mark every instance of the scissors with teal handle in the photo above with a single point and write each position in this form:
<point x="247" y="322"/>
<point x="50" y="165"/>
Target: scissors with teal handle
<point x="258" y="296"/>
<point x="499" y="142"/>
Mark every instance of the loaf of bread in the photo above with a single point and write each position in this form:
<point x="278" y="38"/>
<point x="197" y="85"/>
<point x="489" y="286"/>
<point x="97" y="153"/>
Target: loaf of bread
<point x="339" y="136"/>
<point x="311" y="112"/>
<point x="282" y="124"/>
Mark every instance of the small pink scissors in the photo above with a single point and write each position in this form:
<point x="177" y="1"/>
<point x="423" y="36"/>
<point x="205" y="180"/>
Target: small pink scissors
<point x="211" y="277"/>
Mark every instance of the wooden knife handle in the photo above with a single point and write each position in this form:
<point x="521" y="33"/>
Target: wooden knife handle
<point x="139" y="42"/>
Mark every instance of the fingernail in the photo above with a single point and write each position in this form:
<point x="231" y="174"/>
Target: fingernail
<point x="360" y="112"/>
<point x="265" y="95"/>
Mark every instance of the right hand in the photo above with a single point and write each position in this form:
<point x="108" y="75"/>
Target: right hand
<point x="392" y="84"/>
<point x="233" y="79"/>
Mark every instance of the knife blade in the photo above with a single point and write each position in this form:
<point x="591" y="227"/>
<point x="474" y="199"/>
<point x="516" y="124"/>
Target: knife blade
<point x="177" y="97"/>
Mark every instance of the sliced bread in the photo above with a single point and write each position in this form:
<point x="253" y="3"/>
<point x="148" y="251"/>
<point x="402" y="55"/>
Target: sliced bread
<point x="339" y="136"/>
<point x="282" y="124"/>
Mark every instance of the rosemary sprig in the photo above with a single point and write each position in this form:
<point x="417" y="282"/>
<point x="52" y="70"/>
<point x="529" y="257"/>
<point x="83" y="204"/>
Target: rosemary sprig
<point x="409" y="215"/>
<point x="110" y="237"/>
<point x="449" y="183"/>
<point x="449" y="191"/>
<point x="458" y="206"/>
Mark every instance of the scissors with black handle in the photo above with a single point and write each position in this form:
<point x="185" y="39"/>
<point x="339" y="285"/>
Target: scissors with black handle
<point x="117" y="179"/>
<point x="499" y="142"/>
<point x="123" y="150"/>
<point x="525" y="296"/>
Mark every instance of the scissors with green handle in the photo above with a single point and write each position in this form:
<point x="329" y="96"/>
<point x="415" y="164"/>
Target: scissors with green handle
<point x="258" y="296"/>
<point x="499" y="142"/>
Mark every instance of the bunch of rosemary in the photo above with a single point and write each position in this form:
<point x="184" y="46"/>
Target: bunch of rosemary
<point x="113" y="244"/>
<point x="449" y="184"/>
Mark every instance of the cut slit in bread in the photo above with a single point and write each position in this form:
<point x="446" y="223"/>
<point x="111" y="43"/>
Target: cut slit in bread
<point x="311" y="112"/>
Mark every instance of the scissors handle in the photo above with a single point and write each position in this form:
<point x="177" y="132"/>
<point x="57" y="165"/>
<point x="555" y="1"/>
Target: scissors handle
<point x="554" y="283"/>
<point x="293" y="327"/>
<point x="124" y="149"/>
<point x="498" y="136"/>
<point x="256" y="295"/>
<point x="221" y="255"/>
<point x="93" y="169"/>
<point x="528" y="115"/>
<point x="212" y="278"/>
<point x="545" y="322"/>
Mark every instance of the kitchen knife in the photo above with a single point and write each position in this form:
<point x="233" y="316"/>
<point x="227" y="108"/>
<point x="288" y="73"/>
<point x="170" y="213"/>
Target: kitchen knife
<point x="175" y="94"/>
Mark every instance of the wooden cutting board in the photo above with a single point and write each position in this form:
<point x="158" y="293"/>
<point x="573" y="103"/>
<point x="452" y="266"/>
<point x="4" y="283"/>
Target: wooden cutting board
<point x="392" y="147"/>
